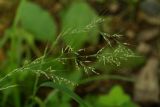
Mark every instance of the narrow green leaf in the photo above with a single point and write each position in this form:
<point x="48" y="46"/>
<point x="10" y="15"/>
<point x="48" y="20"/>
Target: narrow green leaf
<point x="63" y="88"/>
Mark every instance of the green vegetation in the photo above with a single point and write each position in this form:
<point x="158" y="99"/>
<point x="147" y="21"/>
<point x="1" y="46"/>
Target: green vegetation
<point x="63" y="63"/>
<point x="115" y="98"/>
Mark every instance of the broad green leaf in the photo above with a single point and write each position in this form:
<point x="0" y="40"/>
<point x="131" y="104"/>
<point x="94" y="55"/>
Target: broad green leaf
<point x="116" y="98"/>
<point x="75" y="21"/>
<point x="37" y="21"/>
<point x="63" y="88"/>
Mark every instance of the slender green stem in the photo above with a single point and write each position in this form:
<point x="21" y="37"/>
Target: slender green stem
<point x="17" y="17"/>
<point x="105" y="77"/>
<point x="37" y="76"/>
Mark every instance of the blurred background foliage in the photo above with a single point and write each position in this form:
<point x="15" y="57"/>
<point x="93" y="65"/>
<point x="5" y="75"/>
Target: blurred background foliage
<point x="79" y="53"/>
